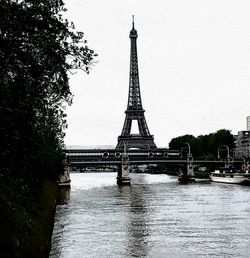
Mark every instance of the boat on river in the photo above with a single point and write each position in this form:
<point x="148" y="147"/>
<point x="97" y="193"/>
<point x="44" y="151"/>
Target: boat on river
<point x="189" y="174"/>
<point x="230" y="175"/>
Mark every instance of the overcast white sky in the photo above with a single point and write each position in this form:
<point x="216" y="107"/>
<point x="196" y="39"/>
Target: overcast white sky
<point x="194" y="67"/>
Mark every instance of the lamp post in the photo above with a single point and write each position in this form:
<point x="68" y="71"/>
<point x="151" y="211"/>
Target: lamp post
<point x="224" y="147"/>
<point x="189" y="149"/>
<point x="190" y="168"/>
<point x="233" y="152"/>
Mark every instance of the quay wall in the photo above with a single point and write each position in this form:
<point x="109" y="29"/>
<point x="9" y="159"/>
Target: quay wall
<point x="26" y="232"/>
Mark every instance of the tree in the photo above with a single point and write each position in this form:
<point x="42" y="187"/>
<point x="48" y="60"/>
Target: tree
<point x="37" y="50"/>
<point x="179" y="142"/>
<point x="204" y="146"/>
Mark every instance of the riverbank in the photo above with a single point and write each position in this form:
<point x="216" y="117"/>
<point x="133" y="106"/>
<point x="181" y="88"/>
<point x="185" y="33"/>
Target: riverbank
<point x="26" y="230"/>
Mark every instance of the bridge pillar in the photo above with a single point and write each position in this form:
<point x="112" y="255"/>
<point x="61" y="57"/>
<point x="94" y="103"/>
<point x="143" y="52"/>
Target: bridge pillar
<point x="64" y="179"/>
<point x="190" y="166"/>
<point x="187" y="173"/>
<point x="123" y="177"/>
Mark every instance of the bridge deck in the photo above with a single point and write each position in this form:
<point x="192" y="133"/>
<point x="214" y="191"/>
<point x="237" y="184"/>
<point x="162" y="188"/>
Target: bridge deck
<point x="78" y="157"/>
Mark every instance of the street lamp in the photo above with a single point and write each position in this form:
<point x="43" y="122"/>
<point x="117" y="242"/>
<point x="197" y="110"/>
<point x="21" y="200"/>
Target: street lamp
<point x="223" y="147"/>
<point x="189" y="149"/>
<point x="190" y="167"/>
<point x="233" y="152"/>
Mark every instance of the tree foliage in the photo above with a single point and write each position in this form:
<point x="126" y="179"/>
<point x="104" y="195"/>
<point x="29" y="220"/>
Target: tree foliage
<point x="204" y="146"/>
<point x="38" y="48"/>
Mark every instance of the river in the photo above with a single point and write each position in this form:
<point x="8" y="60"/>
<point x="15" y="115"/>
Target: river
<point x="155" y="217"/>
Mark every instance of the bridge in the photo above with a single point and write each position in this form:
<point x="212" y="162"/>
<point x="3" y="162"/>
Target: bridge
<point x="81" y="158"/>
<point x="87" y="157"/>
<point x="94" y="157"/>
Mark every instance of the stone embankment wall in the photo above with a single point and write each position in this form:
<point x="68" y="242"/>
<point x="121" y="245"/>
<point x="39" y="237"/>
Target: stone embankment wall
<point x="27" y="232"/>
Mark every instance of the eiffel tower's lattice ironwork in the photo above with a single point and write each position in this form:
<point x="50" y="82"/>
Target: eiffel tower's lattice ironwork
<point x="143" y="140"/>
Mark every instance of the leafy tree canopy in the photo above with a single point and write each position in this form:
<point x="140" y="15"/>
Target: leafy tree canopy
<point x="37" y="50"/>
<point x="204" y="146"/>
<point x="38" y="47"/>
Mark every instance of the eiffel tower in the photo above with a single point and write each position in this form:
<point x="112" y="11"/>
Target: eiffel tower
<point x="144" y="140"/>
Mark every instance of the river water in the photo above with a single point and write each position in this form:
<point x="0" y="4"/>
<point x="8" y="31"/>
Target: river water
<point x="155" y="217"/>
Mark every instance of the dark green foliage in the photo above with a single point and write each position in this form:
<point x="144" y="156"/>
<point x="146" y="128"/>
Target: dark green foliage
<point x="37" y="50"/>
<point x="204" y="146"/>
<point x="178" y="143"/>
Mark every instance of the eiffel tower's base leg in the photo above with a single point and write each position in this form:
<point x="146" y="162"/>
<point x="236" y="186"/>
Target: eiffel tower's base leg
<point x="123" y="177"/>
<point x="137" y="142"/>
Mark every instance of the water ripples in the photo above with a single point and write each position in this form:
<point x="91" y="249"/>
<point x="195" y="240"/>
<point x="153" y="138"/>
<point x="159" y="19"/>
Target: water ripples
<point x="155" y="217"/>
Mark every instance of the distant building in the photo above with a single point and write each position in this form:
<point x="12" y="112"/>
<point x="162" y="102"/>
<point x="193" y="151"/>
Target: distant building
<point x="248" y="123"/>
<point x="242" y="142"/>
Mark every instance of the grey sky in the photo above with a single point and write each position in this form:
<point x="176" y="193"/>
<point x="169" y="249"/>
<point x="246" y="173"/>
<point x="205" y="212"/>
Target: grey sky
<point x="194" y="66"/>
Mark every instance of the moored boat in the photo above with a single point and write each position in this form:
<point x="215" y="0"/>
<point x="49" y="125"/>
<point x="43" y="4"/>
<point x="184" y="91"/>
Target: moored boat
<point x="184" y="179"/>
<point x="230" y="175"/>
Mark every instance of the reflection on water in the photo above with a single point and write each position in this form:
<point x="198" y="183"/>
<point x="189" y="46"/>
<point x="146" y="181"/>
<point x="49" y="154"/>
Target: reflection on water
<point x="137" y="228"/>
<point x="155" y="217"/>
